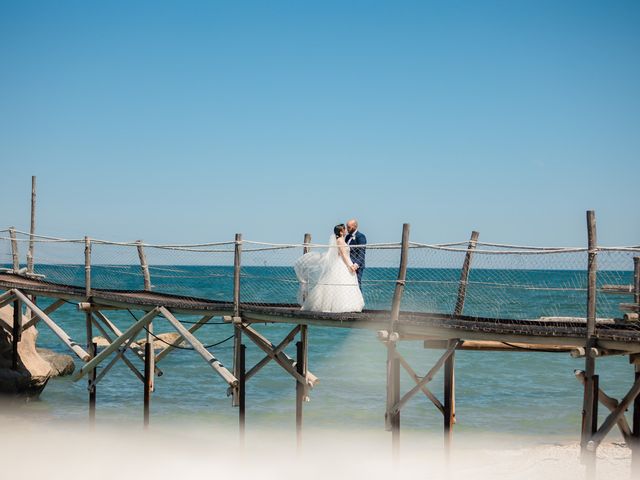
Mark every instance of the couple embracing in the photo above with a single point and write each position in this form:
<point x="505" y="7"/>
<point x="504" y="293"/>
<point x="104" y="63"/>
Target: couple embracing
<point x="330" y="281"/>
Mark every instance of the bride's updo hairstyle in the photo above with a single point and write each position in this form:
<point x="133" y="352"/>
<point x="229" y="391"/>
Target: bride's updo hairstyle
<point x="338" y="229"/>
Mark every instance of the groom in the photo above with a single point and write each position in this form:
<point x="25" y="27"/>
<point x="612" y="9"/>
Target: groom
<point x="355" y="238"/>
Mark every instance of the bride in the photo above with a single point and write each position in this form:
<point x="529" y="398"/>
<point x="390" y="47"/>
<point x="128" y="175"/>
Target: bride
<point x="328" y="282"/>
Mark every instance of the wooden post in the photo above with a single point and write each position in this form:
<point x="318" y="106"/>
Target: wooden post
<point x="32" y="229"/>
<point x="148" y="375"/>
<point x="305" y="250"/>
<point x="301" y="389"/>
<point x="301" y="364"/>
<point x="144" y="266"/>
<point x="635" y="447"/>
<point x="393" y="363"/>
<point x="14" y="250"/>
<point x="449" y="365"/>
<point x="92" y="347"/>
<point x="16" y="331"/>
<point x="464" y="275"/>
<point x="237" y="333"/>
<point x="589" y="455"/>
<point x="92" y="389"/>
<point x="242" y="385"/>
<point x="236" y="274"/>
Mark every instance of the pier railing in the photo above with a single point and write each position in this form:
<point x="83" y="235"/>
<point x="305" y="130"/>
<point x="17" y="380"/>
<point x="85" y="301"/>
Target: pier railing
<point x="523" y="283"/>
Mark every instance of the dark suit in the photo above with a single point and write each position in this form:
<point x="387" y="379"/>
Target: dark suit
<point x="357" y="254"/>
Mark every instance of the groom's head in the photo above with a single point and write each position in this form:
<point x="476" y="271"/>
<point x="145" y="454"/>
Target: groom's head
<point x="352" y="225"/>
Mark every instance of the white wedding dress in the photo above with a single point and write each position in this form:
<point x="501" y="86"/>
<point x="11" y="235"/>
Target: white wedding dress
<point x="326" y="283"/>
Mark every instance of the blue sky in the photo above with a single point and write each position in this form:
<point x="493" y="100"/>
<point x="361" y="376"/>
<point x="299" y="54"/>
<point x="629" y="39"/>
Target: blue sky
<point x="190" y="121"/>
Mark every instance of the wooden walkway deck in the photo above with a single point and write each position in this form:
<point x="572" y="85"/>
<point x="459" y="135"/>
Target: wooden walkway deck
<point x="612" y="335"/>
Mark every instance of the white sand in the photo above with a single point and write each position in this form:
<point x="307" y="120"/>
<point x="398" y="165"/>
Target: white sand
<point x="32" y="451"/>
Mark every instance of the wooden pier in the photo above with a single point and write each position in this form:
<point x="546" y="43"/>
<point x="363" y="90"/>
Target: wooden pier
<point x="588" y="336"/>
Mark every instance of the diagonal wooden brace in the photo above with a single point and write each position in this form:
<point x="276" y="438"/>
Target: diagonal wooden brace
<point x="220" y="369"/>
<point x="426" y="379"/>
<point x="611" y="404"/>
<point x="169" y="348"/>
<point x="6" y="298"/>
<point x="416" y="379"/>
<point x="115" y="345"/>
<point x="279" y="348"/>
<point x="60" y="333"/>
<point x="133" y="346"/>
<point x="121" y="353"/>
<point x="281" y="358"/>
<point x="615" y="415"/>
<point x="49" y="310"/>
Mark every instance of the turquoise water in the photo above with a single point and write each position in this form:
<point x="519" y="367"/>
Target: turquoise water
<point x="511" y="392"/>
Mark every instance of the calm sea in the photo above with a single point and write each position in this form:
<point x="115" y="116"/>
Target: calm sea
<point x="511" y="392"/>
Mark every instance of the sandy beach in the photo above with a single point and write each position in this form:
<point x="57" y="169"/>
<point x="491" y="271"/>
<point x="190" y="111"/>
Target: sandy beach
<point x="170" y="451"/>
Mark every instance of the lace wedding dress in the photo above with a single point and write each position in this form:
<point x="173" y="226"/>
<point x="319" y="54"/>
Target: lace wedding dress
<point x="326" y="283"/>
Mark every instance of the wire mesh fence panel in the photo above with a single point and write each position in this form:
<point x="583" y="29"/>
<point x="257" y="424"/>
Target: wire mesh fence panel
<point x="55" y="260"/>
<point x="200" y="272"/>
<point x="269" y="274"/>
<point x="6" y="257"/>
<point x="522" y="284"/>
<point x="615" y="284"/>
<point x="191" y="271"/>
<point x="508" y="284"/>
<point x="115" y="267"/>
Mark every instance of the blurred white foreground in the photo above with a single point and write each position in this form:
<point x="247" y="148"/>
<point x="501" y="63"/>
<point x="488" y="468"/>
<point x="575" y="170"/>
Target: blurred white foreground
<point x="33" y="451"/>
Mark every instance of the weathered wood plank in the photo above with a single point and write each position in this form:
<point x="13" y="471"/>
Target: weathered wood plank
<point x="60" y="333"/>
<point x="212" y="361"/>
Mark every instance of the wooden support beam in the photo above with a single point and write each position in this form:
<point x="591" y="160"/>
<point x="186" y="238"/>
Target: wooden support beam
<point x="137" y="350"/>
<point x="449" y="401"/>
<point x="119" y="355"/>
<point x="590" y="365"/>
<point x="615" y="415"/>
<point x="611" y="404"/>
<point x="6" y="298"/>
<point x="115" y="345"/>
<point x="236" y="274"/>
<point x="14" y="250"/>
<point x="92" y="388"/>
<point x="392" y="416"/>
<point x="282" y="359"/>
<point x="301" y="388"/>
<point x="279" y="348"/>
<point x="144" y="266"/>
<point x="449" y="365"/>
<point x="49" y="310"/>
<point x="237" y="347"/>
<point x="212" y="361"/>
<point x="237" y="330"/>
<point x="494" y="346"/>
<point x="151" y="359"/>
<point x="426" y="379"/>
<point x="416" y="379"/>
<point x="169" y="348"/>
<point x="16" y="333"/>
<point x="128" y="345"/>
<point x="60" y="333"/>
<point x="464" y="274"/>
<point x="148" y="382"/>
<point x="242" y="392"/>
<point x="32" y="227"/>
<point x="302" y="359"/>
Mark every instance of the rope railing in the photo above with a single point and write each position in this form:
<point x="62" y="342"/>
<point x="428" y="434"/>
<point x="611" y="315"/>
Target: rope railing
<point x="508" y="281"/>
